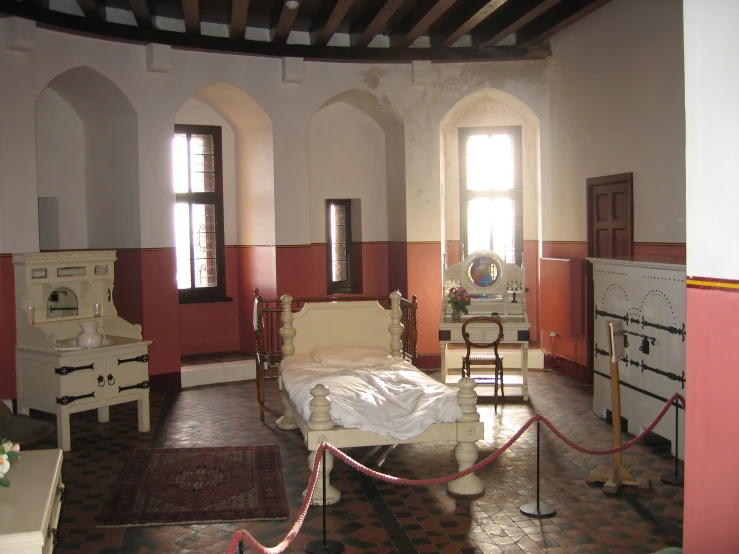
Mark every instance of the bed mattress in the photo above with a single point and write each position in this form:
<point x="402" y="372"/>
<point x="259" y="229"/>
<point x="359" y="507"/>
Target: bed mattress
<point x="375" y="393"/>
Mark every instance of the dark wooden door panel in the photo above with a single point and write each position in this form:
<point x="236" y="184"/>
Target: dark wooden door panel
<point x="610" y="216"/>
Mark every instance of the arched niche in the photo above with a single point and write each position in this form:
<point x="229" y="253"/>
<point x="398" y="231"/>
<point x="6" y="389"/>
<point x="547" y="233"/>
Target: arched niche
<point x="249" y="200"/>
<point x="87" y="162"/>
<point x="487" y="108"/>
<point x="357" y="151"/>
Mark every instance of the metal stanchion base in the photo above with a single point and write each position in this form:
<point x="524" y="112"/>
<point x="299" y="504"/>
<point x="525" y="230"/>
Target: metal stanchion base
<point x="672" y="479"/>
<point x="320" y="547"/>
<point x="542" y="510"/>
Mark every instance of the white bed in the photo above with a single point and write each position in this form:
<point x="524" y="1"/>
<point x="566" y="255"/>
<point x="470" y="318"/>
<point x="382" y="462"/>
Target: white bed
<point x="337" y="355"/>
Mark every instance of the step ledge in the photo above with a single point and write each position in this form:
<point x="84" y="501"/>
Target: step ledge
<point x="215" y="373"/>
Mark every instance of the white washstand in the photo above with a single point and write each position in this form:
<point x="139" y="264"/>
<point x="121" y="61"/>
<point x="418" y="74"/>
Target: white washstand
<point x="74" y="353"/>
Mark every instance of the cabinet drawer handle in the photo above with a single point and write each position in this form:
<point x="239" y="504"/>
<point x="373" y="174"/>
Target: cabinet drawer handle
<point x="64" y="400"/>
<point x="111" y="379"/>
<point x="54" y="535"/>
<point x="101" y="381"/>
<point x="141" y="385"/>
<point x="61" y="492"/>
<point x="65" y="370"/>
<point x="143" y="359"/>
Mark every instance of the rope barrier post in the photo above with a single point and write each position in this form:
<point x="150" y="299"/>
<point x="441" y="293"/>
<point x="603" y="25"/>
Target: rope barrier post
<point x="539" y="509"/>
<point x="324" y="546"/>
<point x="674" y="478"/>
<point x="241" y="546"/>
<point x="613" y="478"/>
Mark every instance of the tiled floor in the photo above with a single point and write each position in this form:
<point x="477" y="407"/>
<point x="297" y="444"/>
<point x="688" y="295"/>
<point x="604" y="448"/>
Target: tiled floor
<point x="376" y="517"/>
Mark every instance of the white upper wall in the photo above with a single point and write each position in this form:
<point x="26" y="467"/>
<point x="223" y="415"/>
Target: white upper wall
<point x="617" y="106"/>
<point x="157" y="97"/>
<point x="347" y="153"/>
<point x="712" y="113"/>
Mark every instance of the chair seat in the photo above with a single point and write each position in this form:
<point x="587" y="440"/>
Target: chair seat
<point x="480" y="359"/>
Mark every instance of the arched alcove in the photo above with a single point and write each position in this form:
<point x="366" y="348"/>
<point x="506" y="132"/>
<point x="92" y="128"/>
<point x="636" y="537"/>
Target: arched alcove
<point x="87" y="161"/>
<point x="249" y="217"/>
<point x="357" y="151"/>
<point x="493" y="108"/>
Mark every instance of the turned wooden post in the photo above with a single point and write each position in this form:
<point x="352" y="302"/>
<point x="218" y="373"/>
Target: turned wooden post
<point x="469" y="431"/>
<point x="396" y="327"/>
<point x="320" y="420"/>
<point x="287" y="331"/>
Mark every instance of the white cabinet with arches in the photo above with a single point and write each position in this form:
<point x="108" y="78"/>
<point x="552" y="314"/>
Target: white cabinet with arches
<point x="649" y="299"/>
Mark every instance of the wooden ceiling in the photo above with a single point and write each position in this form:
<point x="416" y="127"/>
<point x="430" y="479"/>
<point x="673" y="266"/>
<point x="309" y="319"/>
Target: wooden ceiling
<point x="333" y="30"/>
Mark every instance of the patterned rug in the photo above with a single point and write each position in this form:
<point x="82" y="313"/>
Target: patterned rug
<point x="161" y="486"/>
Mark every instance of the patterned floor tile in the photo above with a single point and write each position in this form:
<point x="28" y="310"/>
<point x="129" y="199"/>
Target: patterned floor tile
<point x="374" y="517"/>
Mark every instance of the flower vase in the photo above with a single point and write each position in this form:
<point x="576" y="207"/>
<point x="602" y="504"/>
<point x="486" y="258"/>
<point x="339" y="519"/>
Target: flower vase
<point x="456" y="315"/>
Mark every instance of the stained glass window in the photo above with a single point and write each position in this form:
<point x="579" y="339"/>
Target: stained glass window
<point x="198" y="214"/>
<point x="491" y="191"/>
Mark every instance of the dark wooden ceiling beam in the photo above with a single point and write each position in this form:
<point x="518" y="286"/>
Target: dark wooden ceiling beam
<point x="191" y="12"/>
<point x="239" y="13"/>
<point x="563" y="15"/>
<point x="141" y="12"/>
<point x="468" y="16"/>
<point x="94" y="9"/>
<point x="361" y="37"/>
<point x="284" y="23"/>
<point x="508" y="19"/>
<point x="325" y="26"/>
<point x="418" y="22"/>
<point x="128" y="33"/>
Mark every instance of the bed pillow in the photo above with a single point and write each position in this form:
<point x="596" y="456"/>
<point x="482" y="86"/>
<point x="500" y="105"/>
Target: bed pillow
<point x="350" y="356"/>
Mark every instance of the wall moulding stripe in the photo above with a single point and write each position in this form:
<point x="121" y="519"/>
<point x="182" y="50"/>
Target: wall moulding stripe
<point x="724" y="285"/>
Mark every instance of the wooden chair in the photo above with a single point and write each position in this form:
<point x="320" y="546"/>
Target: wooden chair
<point x="493" y="359"/>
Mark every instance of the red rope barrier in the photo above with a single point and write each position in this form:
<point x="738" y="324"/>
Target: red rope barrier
<point x="252" y="542"/>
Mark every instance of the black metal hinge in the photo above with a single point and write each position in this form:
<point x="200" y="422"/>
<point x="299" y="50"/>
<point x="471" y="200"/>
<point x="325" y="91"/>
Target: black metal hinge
<point x="143" y="359"/>
<point x="66" y="370"/>
<point x="64" y="400"/>
<point x="141" y="385"/>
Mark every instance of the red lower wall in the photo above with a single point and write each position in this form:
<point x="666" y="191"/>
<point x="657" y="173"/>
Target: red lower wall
<point x="7" y="327"/>
<point x="256" y="269"/>
<point x="711" y="453"/>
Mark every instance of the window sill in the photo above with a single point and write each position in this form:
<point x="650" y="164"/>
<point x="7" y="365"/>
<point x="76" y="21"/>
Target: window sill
<point x="205" y="300"/>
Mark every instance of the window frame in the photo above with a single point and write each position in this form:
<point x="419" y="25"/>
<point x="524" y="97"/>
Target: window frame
<point x="338" y="287"/>
<point x="516" y="194"/>
<point x="194" y="295"/>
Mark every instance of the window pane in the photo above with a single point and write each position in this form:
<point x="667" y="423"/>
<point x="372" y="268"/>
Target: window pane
<point x="182" y="244"/>
<point x="337" y="224"/>
<point x="204" y="235"/>
<point x="202" y="163"/>
<point x="179" y="163"/>
<point x="491" y="226"/>
<point x="490" y="164"/>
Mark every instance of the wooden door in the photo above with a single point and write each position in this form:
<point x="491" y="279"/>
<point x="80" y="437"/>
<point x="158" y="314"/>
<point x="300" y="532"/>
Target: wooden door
<point x="610" y="216"/>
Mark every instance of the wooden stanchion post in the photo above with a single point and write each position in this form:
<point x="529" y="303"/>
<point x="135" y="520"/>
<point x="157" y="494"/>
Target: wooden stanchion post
<point x="613" y="478"/>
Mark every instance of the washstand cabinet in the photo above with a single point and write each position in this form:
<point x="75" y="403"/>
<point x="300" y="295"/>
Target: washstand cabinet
<point x="63" y="367"/>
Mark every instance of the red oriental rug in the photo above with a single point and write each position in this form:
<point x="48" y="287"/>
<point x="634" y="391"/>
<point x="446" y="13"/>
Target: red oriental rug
<point x="161" y="486"/>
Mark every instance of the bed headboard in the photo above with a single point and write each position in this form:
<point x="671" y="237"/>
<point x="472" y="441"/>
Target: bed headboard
<point x="333" y="321"/>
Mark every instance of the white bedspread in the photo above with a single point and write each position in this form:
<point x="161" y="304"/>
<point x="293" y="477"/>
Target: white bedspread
<point x="390" y="397"/>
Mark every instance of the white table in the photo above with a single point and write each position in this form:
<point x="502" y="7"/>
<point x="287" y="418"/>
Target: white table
<point x="29" y="508"/>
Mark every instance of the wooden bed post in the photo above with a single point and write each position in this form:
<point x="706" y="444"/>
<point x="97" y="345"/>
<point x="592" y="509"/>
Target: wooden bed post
<point x="395" y="328"/>
<point x="287" y="420"/>
<point x="287" y="332"/>
<point x="320" y="420"/>
<point x="469" y="431"/>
